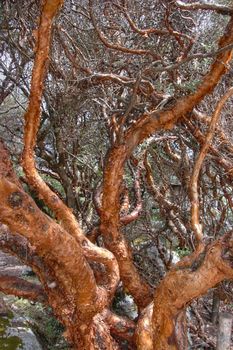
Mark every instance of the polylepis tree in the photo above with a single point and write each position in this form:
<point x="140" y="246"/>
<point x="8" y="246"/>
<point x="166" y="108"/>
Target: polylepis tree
<point x="78" y="277"/>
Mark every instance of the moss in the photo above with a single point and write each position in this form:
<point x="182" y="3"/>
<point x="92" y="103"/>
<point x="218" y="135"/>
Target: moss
<point x="8" y="342"/>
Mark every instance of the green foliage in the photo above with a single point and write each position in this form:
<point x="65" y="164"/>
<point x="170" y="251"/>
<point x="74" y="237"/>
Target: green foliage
<point x="182" y="252"/>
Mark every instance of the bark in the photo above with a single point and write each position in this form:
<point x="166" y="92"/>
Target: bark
<point x="143" y="336"/>
<point x="65" y="253"/>
<point x="224" y="331"/>
<point x="6" y="169"/>
<point x="22" y="288"/>
<point x="61" y="249"/>
<point x="181" y="286"/>
<point x="164" y="328"/>
<point x="120" y="152"/>
<point x="120" y="326"/>
<point x="215" y="306"/>
<point x="110" y="227"/>
<point x="32" y="119"/>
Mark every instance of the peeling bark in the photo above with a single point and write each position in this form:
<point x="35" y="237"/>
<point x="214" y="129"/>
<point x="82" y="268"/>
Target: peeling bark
<point x="64" y="257"/>
<point x="117" y="156"/>
<point x="110" y="227"/>
<point x="181" y="285"/>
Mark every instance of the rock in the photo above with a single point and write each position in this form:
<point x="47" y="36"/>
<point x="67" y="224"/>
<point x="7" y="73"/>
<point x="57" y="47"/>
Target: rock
<point x="16" y="335"/>
<point x="26" y="336"/>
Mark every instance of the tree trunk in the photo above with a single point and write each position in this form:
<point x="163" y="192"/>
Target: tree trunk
<point x="189" y="279"/>
<point x="215" y="306"/>
<point x="224" y="331"/>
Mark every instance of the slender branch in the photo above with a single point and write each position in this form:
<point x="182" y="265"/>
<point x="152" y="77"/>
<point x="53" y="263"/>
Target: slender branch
<point x="221" y="135"/>
<point x="200" y="137"/>
<point x="223" y="10"/>
<point x="195" y="216"/>
<point x="145" y="32"/>
<point x="166" y="119"/>
<point x="118" y="47"/>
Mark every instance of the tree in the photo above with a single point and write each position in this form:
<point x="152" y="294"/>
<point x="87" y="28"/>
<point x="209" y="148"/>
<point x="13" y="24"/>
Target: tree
<point x="145" y="86"/>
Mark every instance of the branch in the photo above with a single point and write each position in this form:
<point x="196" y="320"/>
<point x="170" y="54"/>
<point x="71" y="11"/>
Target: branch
<point x="180" y="286"/>
<point x="19" y="212"/>
<point x="200" y="137"/>
<point x="32" y="121"/>
<point x="6" y="169"/>
<point x="223" y="10"/>
<point x="166" y="119"/>
<point x="120" y="326"/>
<point x="100" y="78"/>
<point x="19" y="222"/>
<point x="145" y="32"/>
<point x="171" y="209"/>
<point x="195" y="219"/>
<point x="221" y="135"/>
<point x="21" y="288"/>
<point x="118" y="47"/>
<point x="126" y="219"/>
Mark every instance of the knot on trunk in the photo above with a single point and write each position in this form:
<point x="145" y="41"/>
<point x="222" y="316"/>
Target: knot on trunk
<point x="15" y="199"/>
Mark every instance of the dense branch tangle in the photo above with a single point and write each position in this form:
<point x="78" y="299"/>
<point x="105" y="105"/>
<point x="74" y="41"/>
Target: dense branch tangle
<point x="134" y="93"/>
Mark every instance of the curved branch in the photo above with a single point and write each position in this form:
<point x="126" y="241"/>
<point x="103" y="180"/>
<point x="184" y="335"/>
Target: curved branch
<point x="117" y="156"/>
<point x="223" y="10"/>
<point x="178" y="288"/>
<point x="200" y="137"/>
<point x="166" y="119"/>
<point x="120" y="326"/>
<point x="195" y="217"/>
<point x="49" y="240"/>
<point x="203" y="118"/>
<point x="146" y="32"/>
<point x="32" y="120"/>
<point x="117" y="47"/>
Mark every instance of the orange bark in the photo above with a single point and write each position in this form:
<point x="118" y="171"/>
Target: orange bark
<point x="32" y="120"/>
<point x="161" y="330"/>
<point x="77" y="297"/>
<point x="114" y="169"/>
<point x="110" y="227"/>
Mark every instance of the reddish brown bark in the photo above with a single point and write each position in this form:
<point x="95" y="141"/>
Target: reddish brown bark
<point x="81" y="299"/>
<point x="179" y="287"/>
<point x="110" y="227"/>
<point x="6" y="165"/>
<point x="114" y="169"/>
<point x="120" y="326"/>
<point x="77" y="297"/>
<point x="32" y="119"/>
<point x="22" y="288"/>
